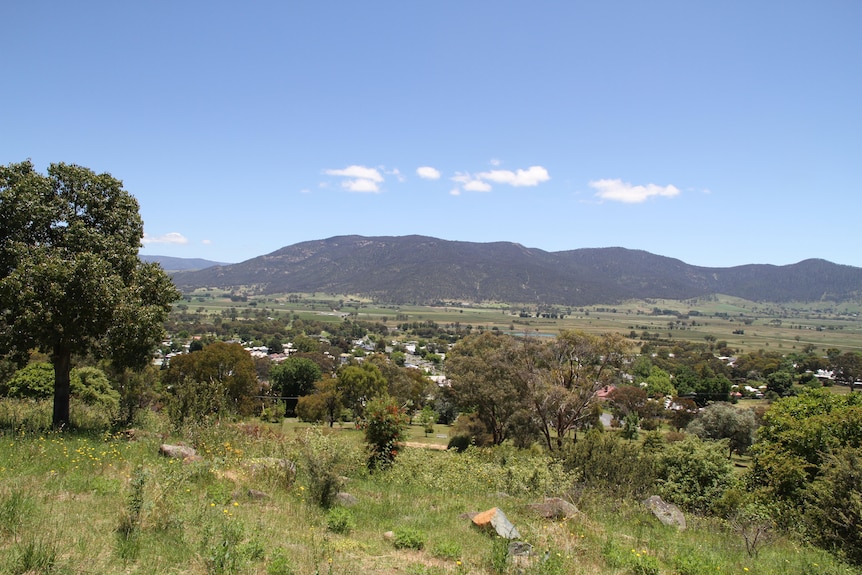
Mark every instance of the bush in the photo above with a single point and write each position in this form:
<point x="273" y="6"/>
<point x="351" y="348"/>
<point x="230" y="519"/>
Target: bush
<point x="835" y="505"/>
<point x="608" y="463"/>
<point x="340" y="520"/>
<point x="694" y="474"/>
<point x="408" y="538"/>
<point x="384" y="426"/>
<point x="324" y="461"/>
<point x="470" y="426"/>
<point x="458" y="442"/>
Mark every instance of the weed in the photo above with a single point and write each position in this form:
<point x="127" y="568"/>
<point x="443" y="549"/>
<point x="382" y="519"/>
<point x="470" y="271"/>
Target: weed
<point x="130" y="519"/>
<point x="222" y="551"/>
<point x="552" y="563"/>
<point x="35" y="556"/>
<point x="340" y="520"/>
<point x="499" y="555"/>
<point x="15" y="509"/>
<point x="447" y="550"/>
<point x="325" y="459"/>
<point x="408" y="538"/>
<point x="279" y="564"/>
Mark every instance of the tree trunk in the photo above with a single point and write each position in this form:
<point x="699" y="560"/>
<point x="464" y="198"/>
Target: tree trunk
<point x="62" y="360"/>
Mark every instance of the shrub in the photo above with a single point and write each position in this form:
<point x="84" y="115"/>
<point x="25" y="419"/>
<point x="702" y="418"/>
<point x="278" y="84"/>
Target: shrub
<point x="324" y="458"/>
<point x="606" y="462"/>
<point x="694" y="474"/>
<point x="408" y="538"/>
<point x="458" y="442"/>
<point x="340" y="520"/>
<point x="384" y="426"/>
<point x="835" y="504"/>
<point x="470" y="426"/>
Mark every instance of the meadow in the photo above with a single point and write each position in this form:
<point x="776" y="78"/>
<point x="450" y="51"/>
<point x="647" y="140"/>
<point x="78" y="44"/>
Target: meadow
<point x="100" y="502"/>
<point x="744" y="325"/>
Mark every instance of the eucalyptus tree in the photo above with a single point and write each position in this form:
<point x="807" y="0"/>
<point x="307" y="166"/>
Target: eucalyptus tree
<point x="486" y="374"/>
<point x="565" y="377"/>
<point x="70" y="278"/>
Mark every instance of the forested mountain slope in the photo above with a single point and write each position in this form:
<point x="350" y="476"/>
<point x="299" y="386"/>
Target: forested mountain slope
<point x="419" y="269"/>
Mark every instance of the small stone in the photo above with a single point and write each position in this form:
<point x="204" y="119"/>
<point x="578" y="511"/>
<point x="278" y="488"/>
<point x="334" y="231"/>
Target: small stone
<point x="667" y="513"/>
<point x="520" y="549"/>
<point x="183" y="452"/>
<point x="498" y="520"/>
<point x="554" y="508"/>
<point x="346" y="499"/>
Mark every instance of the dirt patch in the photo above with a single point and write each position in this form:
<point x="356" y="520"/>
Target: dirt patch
<point x="436" y="446"/>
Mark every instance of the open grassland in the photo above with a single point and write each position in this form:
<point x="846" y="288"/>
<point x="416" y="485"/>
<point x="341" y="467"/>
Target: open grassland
<point x="745" y="326"/>
<point x="108" y="503"/>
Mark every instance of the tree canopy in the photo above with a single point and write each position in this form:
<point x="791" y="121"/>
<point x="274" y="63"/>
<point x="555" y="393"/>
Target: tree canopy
<point x="70" y="279"/>
<point x="295" y="376"/>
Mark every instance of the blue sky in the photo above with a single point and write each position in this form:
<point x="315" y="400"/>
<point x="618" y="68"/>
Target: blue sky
<point x="719" y="133"/>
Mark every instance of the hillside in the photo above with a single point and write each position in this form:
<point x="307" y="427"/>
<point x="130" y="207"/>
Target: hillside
<point x="419" y="269"/>
<point x="172" y="264"/>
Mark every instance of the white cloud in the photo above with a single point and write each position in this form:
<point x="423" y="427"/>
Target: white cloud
<point x="358" y="172"/>
<point x="495" y="162"/>
<point x="455" y="192"/>
<point x="360" y="185"/>
<point x="620" y="191"/>
<point x="394" y="172"/>
<point x="471" y="184"/>
<point x="477" y="186"/>
<point x="428" y="173"/>
<point x="168" y="238"/>
<point x="532" y="176"/>
<point x="207" y="242"/>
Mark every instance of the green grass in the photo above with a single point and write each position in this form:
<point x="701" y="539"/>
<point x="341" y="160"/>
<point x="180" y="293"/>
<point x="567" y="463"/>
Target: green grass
<point x="102" y="503"/>
<point x="778" y="327"/>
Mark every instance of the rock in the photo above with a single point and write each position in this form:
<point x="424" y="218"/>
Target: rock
<point x="389" y="535"/>
<point x="498" y="520"/>
<point x="554" y="508"/>
<point x="346" y="499"/>
<point x="667" y="513"/>
<point x="183" y="452"/>
<point x="520" y="549"/>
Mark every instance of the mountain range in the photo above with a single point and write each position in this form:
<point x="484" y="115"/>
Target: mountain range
<point x="425" y="270"/>
<point x="172" y="264"/>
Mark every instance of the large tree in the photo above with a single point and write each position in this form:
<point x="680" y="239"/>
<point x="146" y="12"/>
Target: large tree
<point x="488" y="377"/>
<point x="220" y="379"/>
<point x="721" y="420"/>
<point x="295" y="376"/>
<point x="70" y="278"/>
<point x="565" y="379"/>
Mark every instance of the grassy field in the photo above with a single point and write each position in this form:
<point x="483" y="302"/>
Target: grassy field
<point x="108" y="503"/>
<point x="744" y="325"/>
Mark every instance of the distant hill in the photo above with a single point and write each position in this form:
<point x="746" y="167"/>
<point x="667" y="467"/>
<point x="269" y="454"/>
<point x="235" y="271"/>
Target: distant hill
<point x="419" y="269"/>
<point x="171" y="264"/>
